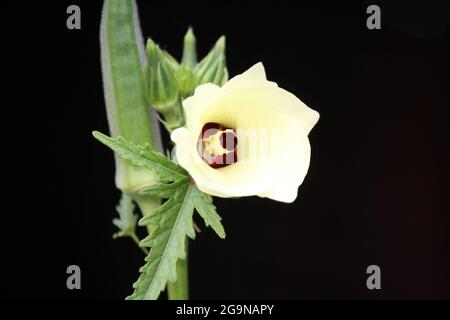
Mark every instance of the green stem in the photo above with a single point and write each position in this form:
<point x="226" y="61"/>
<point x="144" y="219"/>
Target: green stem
<point x="136" y="240"/>
<point x="179" y="290"/>
<point x="123" y="60"/>
<point x="173" y="118"/>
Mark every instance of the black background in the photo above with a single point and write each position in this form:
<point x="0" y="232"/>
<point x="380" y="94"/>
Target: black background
<point x="376" y="192"/>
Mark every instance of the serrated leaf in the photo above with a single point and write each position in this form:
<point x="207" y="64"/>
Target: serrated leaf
<point x="173" y="221"/>
<point x="127" y="221"/>
<point x="207" y="210"/>
<point x="163" y="190"/>
<point x="143" y="156"/>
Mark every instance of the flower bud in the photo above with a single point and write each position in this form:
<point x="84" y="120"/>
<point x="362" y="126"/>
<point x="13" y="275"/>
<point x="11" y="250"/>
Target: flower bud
<point x="170" y="60"/>
<point x="189" y="59"/>
<point x="213" y="67"/>
<point x="162" y="84"/>
<point x="186" y="80"/>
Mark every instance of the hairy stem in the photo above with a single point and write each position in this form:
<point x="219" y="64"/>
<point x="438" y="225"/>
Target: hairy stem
<point x="130" y="115"/>
<point x="136" y="240"/>
<point x="179" y="290"/>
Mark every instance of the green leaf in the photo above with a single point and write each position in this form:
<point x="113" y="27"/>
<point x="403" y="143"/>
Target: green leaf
<point x="164" y="190"/>
<point x="207" y="210"/>
<point x="173" y="222"/>
<point x="143" y="156"/>
<point x="127" y="221"/>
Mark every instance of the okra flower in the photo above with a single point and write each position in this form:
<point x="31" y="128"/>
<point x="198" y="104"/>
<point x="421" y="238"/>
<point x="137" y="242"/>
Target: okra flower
<point x="248" y="137"/>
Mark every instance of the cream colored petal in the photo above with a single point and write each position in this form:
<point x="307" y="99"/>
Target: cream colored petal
<point x="195" y="106"/>
<point x="306" y="116"/>
<point x="255" y="76"/>
<point x="255" y="106"/>
<point x="292" y="170"/>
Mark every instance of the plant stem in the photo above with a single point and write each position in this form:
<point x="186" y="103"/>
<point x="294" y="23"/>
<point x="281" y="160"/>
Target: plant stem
<point x="136" y="240"/>
<point x="173" y="118"/>
<point x="123" y="60"/>
<point x="179" y="290"/>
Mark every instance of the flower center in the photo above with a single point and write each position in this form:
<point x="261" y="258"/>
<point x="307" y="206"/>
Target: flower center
<point x="217" y="145"/>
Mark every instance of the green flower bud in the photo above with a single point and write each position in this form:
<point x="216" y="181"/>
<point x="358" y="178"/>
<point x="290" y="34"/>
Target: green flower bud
<point x="189" y="59"/>
<point x="213" y="67"/>
<point x="187" y="81"/>
<point x="162" y="84"/>
<point x="170" y="60"/>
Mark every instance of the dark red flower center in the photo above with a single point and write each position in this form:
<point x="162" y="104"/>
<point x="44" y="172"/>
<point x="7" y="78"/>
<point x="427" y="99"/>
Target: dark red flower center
<point x="217" y="145"/>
